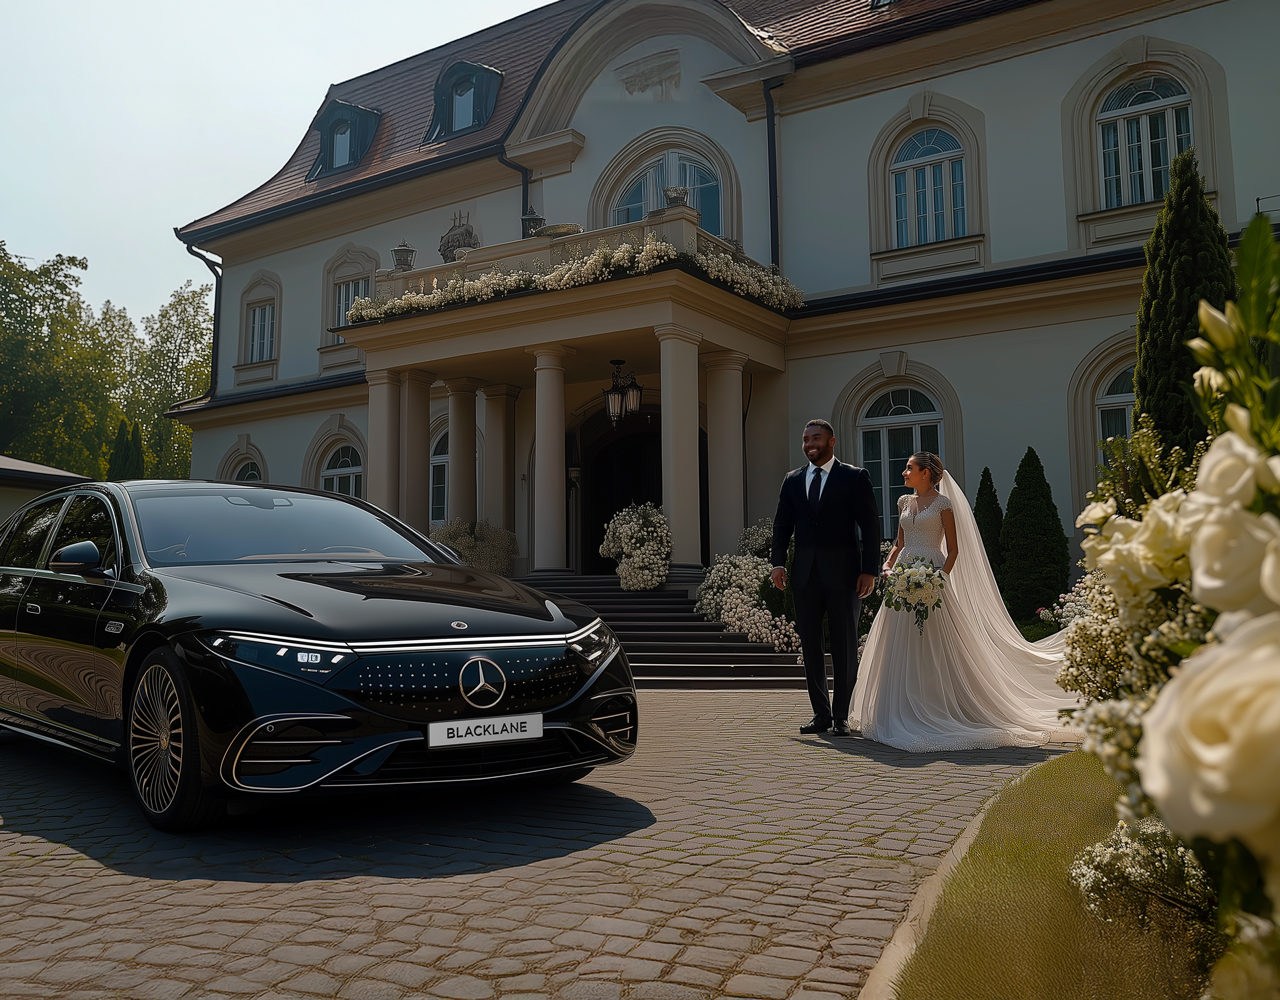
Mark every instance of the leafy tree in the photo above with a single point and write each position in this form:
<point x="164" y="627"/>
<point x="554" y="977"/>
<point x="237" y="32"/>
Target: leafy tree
<point x="987" y="512"/>
<point x="1035" y="560"/>
<point x="1187" y="260"/>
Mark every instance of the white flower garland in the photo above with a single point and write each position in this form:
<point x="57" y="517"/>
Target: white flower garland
<point x="744" y="278"/>
<point x="639" y="539"/>
<point x="730" y="593"/>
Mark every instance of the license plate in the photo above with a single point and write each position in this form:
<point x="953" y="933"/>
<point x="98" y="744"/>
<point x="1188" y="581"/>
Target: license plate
<point x="499" y="730"/>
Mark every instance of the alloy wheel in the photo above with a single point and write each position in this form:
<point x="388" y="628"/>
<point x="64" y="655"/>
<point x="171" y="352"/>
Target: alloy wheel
<point x="155" y="739"/>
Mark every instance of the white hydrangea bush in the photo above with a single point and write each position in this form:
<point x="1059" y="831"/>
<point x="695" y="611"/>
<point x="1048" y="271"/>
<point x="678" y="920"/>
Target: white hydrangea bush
<point x="730" y="592"/>
<point x="748" y="279"/>
<point x="638" y="538"/>
<point x="757" y="539"/>
<point x="479" y="543"/>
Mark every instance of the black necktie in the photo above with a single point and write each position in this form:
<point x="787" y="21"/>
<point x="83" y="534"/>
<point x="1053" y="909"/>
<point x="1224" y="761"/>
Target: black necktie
<point x="815" y="489"/>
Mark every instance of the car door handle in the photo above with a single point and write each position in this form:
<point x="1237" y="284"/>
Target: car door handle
<point x="33" y="609"/>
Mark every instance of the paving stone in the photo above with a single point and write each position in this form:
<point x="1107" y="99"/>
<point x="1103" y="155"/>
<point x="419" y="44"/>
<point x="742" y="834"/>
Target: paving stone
<point x="702" y="869"/>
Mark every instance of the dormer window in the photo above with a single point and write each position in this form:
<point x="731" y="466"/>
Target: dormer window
<point x="466" y="94"/>
<point x="346" y="133"/>
<point x="341" y="145"/>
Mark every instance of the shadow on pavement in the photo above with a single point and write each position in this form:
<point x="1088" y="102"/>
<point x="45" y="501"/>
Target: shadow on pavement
<point x="881" y="753"/>
<point x="60" y="798"/>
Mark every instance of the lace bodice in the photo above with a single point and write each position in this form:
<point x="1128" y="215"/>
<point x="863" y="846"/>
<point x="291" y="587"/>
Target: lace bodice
<point x="922" y="527"/>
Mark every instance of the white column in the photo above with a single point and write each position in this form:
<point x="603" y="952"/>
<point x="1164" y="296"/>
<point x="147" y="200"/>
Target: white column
<point x="500" y="455"/>
<point x="382" y="474"/>
<point x="549" y="509"/>
<point x="681" y="496"/>
<point x="415" y="445"/>
<point x="724" y="448"/>
<point x="462" y="447"/>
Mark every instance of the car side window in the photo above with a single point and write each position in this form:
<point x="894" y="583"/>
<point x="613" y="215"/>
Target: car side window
<point x="88" y="520"/>
<point x="28" y="541"/>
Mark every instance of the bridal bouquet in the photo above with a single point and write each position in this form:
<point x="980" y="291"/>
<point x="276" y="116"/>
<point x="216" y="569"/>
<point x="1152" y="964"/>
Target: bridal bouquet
<point x="915" y="585"/>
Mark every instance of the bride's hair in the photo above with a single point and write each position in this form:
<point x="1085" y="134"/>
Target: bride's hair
<point x="928" y="460"/>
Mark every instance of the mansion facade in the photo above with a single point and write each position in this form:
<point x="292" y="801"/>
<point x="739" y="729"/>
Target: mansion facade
<point x="961" y="188"/>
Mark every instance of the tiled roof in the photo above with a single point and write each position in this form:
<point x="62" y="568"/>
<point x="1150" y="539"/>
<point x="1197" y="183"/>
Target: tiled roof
<point x="813" y="30"/>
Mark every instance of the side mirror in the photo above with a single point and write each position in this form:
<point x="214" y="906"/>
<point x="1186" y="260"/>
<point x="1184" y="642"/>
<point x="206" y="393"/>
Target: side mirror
<point x="81" y="558"/>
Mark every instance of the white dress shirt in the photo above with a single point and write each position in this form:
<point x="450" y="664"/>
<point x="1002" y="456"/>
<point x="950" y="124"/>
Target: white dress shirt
<point x="826" y="474"/>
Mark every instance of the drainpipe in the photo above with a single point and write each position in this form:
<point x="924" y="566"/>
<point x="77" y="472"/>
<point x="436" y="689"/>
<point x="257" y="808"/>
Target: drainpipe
<point x="774" y="249"/>
<point x="526" y="210"/>
<point x="215" y="268"/>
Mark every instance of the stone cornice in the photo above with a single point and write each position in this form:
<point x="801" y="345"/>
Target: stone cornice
<point x="229" y="410"/>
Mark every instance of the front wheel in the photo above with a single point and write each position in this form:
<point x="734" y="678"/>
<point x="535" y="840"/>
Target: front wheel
<point x="164" y="752"/>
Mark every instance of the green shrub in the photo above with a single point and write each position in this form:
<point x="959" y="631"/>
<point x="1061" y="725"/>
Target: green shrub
<point x="1035" y="560"/>
<point x="987" y="512"/>
<point x="479" y="544"/>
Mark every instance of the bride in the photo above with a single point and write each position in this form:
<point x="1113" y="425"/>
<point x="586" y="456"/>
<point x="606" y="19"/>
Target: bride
<point x="970" y="680"/>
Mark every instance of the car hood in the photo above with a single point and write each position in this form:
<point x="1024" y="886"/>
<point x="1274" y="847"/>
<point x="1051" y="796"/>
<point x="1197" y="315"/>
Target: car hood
<point x="367" y="602"/>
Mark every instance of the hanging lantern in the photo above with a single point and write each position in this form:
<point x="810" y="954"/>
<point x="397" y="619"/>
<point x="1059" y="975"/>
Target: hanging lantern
<point x="622" y="398"/>
<point x="403" y="255"/>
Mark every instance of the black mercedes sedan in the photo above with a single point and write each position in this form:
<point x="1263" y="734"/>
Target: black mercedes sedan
<point x="239" y="640"/>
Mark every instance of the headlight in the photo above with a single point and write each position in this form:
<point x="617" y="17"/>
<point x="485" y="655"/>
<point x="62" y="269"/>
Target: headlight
<point x="306" y="657"/>
<point x="595" y="646"/>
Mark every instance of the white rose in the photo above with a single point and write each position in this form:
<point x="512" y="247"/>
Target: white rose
<point x="1164" y="536"/>
<point x="1096" y="512"/>
<point x="1228" y="470"/>
<point x="1210" y="751"/>
<point x="1209" y="382"/>
<point x="1226" y="559"/>
<point x="1113" y="531"/>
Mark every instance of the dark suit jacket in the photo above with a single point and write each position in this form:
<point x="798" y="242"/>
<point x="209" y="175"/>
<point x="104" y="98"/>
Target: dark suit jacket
<point x="828" y="542"/>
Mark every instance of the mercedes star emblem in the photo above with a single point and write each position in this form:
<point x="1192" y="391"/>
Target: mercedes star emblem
<point x="458" y="625"/>
<point x="482" y="682"/>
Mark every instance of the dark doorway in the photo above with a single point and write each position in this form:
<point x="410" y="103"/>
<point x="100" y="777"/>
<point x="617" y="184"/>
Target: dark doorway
<point x="624" y="466"/>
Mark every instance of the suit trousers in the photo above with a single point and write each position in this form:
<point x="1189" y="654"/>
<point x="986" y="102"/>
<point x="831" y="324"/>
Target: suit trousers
<point x="842" y="607"/>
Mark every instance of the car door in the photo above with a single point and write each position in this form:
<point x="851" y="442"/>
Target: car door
<point x="22" y="554"/>
<point x="57" y="654"/>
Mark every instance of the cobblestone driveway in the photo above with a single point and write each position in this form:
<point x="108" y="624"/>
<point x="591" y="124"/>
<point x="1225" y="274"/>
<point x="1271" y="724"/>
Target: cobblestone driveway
<point x="730" y="857"/>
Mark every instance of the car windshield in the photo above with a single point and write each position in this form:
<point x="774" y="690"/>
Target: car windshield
<point x="229" y="525"/>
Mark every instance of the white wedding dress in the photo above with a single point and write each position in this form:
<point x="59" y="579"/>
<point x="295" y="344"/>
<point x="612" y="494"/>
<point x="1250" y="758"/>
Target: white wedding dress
<point x="970" y="680"/>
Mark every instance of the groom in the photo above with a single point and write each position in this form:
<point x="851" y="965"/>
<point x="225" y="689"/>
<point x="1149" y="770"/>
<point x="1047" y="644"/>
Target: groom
<point x="831" y="573"/>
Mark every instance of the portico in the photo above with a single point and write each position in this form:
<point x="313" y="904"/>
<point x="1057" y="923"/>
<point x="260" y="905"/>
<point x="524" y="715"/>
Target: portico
<point x="535" y="365"/>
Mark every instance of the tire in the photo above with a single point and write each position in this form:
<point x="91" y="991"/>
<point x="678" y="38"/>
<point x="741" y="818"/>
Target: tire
<point x="163" y="749"/>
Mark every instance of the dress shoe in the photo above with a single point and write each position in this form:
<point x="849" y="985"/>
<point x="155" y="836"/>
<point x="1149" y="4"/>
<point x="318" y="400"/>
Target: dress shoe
<point x="814" y="726"/>
<point x="841" y="728"/>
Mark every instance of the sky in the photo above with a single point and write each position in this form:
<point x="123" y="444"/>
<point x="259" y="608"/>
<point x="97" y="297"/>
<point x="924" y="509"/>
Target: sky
<point x="145" y="115"/>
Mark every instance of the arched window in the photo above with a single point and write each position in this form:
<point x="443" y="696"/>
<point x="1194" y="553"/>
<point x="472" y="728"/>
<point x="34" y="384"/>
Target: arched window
<point x="344" y="472"/>
<point x="1114" y="406"/>
<point x="927" y="182"/>
<point x="894" y="426"/>
<point x="249" y="472"/>
<point x="439" y="478"/>
<point x="341" y="144"/>
<point x="1142" y="125"/>
<point x="643" y="193"/>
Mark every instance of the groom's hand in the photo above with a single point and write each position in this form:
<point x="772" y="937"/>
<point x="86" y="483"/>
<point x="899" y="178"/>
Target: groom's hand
<point x="866" y="584"/>
<point x="779" y="577"/>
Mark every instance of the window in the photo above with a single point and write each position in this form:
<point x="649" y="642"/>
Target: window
<point x="341" y="144"/>
<point x="1142" y="125"/>
<point x="346" y="293"/>
<point x="465" y="96"/>
<point x="88" y="520"/>
<point x="262" y="333"/>
<point x="895" y="426"/>
<point x="249" y="473"/>
<point x="1115" y="406"/>
<point x="344" y="473"/>
<point x="927" y="182"/>
<point x="439" y="478"/>
<point x="643" y="194"/>
<point x="27" y="542"/>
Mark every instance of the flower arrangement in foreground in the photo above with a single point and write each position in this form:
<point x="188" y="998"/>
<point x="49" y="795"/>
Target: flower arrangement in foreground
<point x="744" y="278"/>
<point x="479" y="543"/>
<point x="915" y="585"/>
<point x="1180" y="648"/>
<point x="639" y="538"/>
<point x="730" y="594"/>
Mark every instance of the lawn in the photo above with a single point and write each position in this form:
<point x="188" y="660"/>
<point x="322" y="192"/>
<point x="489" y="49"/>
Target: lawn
<point x="1009" y="924"/>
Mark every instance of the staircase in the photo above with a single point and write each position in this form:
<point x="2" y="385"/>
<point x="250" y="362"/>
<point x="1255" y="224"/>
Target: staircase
<point x="671" y="646"/>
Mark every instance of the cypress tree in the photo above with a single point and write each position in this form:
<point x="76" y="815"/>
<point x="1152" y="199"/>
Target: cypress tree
<point x="987" y="512"/>
<point x="1187" y="260"/>
<point x="1035" y="559"/>
<point x="137" y="464"/>
<point x="119" y="453"/>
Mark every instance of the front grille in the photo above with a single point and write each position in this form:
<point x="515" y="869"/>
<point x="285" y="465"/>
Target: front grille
<point x="424" y="686"/>
<point x="417" y="762"/>
<point x="277" y="747"/>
